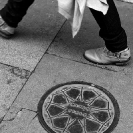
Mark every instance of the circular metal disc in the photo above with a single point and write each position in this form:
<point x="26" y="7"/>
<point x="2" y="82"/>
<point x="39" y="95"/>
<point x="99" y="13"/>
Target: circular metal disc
<point x="78" y="107"/>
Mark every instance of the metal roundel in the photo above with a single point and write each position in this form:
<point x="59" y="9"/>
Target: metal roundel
<point x="78" y="107"/>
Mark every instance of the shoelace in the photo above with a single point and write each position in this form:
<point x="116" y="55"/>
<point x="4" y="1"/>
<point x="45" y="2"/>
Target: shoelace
<point x="109" y="53"/>
<point x="115" y="54"/>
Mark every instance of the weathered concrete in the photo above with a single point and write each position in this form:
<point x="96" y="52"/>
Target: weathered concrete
<point x="11" y="82"/>
<point x="62" y="63"/>
<point x="33" y="36"/>
<point x="53" y="70"/>
<point x="19" y="123"/>
<point x="35" y="127"/>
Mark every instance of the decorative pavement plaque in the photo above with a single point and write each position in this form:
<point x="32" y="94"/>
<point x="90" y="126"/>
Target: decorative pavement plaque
<point x="78" y="107"/>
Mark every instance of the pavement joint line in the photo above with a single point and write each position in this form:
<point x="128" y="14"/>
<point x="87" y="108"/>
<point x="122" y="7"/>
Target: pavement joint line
<point x="16" y="98"/>
<point x="34" y="117"/>
<point x="14" y="67"/>
<point x="56" y="35"/>
<point x="29" y="110"/>
<point x="31" y="120"/>
<point x="10" y="119"/>
<point x="16" y="114"/>
<point x="1" y="119"/>
<point x="94" y="65"/>
<point x="20" y="90"/>
<point x="47" y="49"/>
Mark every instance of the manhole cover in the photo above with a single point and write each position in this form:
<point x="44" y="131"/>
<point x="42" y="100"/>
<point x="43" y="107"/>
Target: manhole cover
<point x="78" y="107"/>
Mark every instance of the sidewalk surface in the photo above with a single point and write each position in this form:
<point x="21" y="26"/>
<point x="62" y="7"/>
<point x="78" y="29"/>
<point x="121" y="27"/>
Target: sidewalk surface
<point x="43" y="54"/>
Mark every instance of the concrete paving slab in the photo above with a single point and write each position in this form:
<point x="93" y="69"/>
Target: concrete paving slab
<point x="35" y="127"/>
<point x="19" y="123"/>
<point x="33" y="36"/>
<point x="12" y="113"/>
<point x="66" y="47"/>
<point x="125" y="10"/>
<point x="11" y="82"/>
<point x="53" y="70"/>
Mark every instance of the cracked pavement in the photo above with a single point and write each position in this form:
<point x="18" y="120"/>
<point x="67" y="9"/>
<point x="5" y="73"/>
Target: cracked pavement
<point x="43" y="54"/>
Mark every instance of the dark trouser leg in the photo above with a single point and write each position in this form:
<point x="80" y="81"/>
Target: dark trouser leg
<point x="111" y="31"/>
<point x="14" y="11"/>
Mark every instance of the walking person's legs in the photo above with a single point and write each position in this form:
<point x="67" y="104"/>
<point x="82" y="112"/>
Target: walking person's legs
<point x="116" y="51"/>
<point x="12" y="14"/>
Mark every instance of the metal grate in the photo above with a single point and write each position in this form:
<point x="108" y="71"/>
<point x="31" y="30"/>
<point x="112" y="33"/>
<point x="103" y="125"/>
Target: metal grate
<point x="78" y="107"/>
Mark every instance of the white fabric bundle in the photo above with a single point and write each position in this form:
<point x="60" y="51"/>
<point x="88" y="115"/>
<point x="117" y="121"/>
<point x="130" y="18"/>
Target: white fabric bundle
<point x="73" y="10"/>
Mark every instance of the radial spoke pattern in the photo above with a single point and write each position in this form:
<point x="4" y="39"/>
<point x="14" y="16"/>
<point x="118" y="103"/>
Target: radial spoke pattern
<point x="78" y="108"/>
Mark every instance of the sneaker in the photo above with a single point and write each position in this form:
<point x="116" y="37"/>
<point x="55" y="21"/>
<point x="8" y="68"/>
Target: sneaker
<point x="105" y="57"/>
<point x="5" y="30"/>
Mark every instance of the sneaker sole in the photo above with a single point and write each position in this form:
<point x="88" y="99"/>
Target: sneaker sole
<point x="124" y="63"/>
